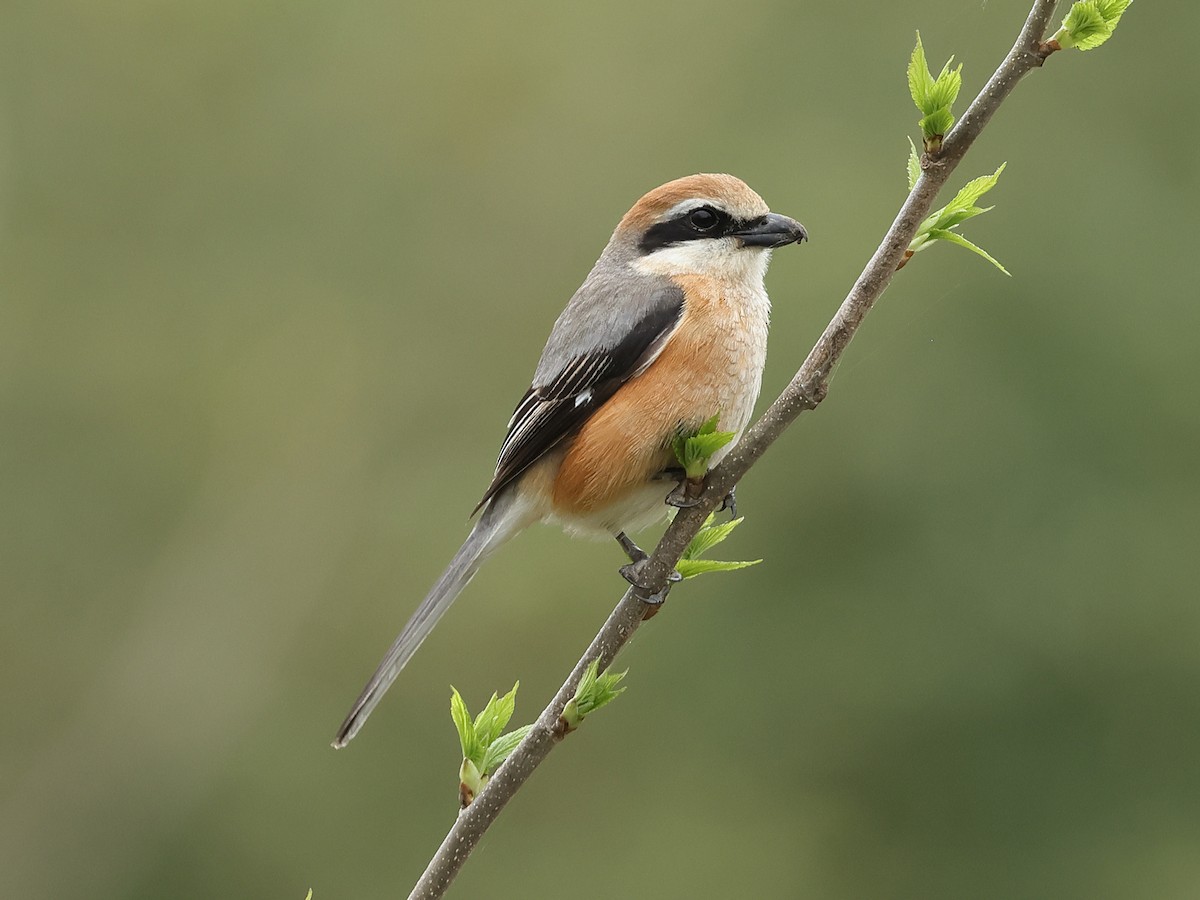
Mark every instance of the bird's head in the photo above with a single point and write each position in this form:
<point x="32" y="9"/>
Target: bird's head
<point x="708" y="225"/>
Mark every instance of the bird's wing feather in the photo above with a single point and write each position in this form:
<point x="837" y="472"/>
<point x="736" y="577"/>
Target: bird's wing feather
<point x="551" y="411"/>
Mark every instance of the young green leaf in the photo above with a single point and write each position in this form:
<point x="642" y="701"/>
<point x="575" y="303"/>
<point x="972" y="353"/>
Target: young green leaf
<point x="690" y="568"/>
<point x="1112" y="10"/>
<point x="946" y="87"/>
<point x="954" y="237"/>
<point x="596" y="690"/>
<point x="935" y="125"/>
<point x="483" y="722"/>
<point x="502" y="748"/>
<point x="938" y="226"/>
<point x="974" y="189"/>
<point x="1089" y="23"/>
<point x="588" y="681"/>
<point x="593" y="692"/>
<point x="920" y="81"/>
<point x="709" y="536"/>
<point x="934" y="97"/>
<point x="694" y="451"/>
<point x="491" y="721"/>
<point x="702" y="446"/>
<point x="484" y="747"/>
<point x="463" y="724"/>
<point x="914" y="165"/>
<point x="953" y="217"/>
<point x="691" y="565"/>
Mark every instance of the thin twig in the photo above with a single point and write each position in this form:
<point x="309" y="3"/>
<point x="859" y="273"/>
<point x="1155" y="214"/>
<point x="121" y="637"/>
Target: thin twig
<point x="805" y="391"/>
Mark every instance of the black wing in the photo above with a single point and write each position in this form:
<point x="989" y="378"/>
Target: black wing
<point x="549" y="413"/>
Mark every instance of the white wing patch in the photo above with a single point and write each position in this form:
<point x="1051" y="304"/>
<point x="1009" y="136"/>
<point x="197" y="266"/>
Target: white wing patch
<point x="551" y="411"/>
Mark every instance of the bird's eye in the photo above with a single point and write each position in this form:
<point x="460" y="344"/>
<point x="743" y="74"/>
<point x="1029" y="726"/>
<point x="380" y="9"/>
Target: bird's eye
<point x="703" y="219"/>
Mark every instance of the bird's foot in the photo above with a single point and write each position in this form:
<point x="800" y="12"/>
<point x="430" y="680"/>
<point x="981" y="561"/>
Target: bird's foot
<point x="632" y="573"/>
<point x="686" y="494"/>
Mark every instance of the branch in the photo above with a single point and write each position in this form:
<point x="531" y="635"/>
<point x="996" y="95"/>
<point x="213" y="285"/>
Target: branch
<point x="805" y="391"/>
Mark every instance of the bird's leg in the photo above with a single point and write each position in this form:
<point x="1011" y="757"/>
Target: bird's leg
<point x="632" y="573"/>
<point x="635" y="553"/>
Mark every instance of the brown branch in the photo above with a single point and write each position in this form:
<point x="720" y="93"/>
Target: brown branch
<point x="805" y="391"/>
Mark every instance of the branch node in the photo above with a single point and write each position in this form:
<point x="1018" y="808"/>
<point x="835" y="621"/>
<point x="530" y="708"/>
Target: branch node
<point x="1042" y="49"/>
<point x="812" y="396"/>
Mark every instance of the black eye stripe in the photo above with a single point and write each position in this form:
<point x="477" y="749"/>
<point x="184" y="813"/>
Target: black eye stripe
<point x="685" y="227"/>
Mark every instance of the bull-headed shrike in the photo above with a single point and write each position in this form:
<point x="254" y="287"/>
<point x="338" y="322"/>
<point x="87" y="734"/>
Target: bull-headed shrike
<point x="669" y="329"/>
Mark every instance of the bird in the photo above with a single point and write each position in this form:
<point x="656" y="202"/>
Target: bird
<point x="667" y="330"/>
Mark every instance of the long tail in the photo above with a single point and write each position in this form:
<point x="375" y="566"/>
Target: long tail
<point x="504" y="516"/>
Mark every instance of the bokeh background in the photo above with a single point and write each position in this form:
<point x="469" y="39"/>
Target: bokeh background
<point x="273" y="276"/>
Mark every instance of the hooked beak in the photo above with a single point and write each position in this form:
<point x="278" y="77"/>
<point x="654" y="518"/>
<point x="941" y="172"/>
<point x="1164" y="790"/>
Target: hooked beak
<point x="771" y="230"/>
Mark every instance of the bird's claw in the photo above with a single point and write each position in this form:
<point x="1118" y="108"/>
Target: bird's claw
<point x="686" y="494"/>
<point x="632" y="572"/>
<point x="729" y="503"/>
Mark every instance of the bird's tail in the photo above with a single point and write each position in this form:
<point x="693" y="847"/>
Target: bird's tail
<point x="505" y="515"/>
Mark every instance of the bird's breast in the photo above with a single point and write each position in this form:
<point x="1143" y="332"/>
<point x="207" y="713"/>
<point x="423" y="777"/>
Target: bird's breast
<point x="711" y="365"/>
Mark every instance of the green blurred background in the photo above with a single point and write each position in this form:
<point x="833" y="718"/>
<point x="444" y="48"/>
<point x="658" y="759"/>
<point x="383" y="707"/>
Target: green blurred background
<point x="274" y="275"/>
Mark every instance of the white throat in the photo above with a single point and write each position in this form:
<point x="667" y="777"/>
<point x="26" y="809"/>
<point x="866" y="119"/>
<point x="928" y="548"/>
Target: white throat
<point x="722" y="259"/>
